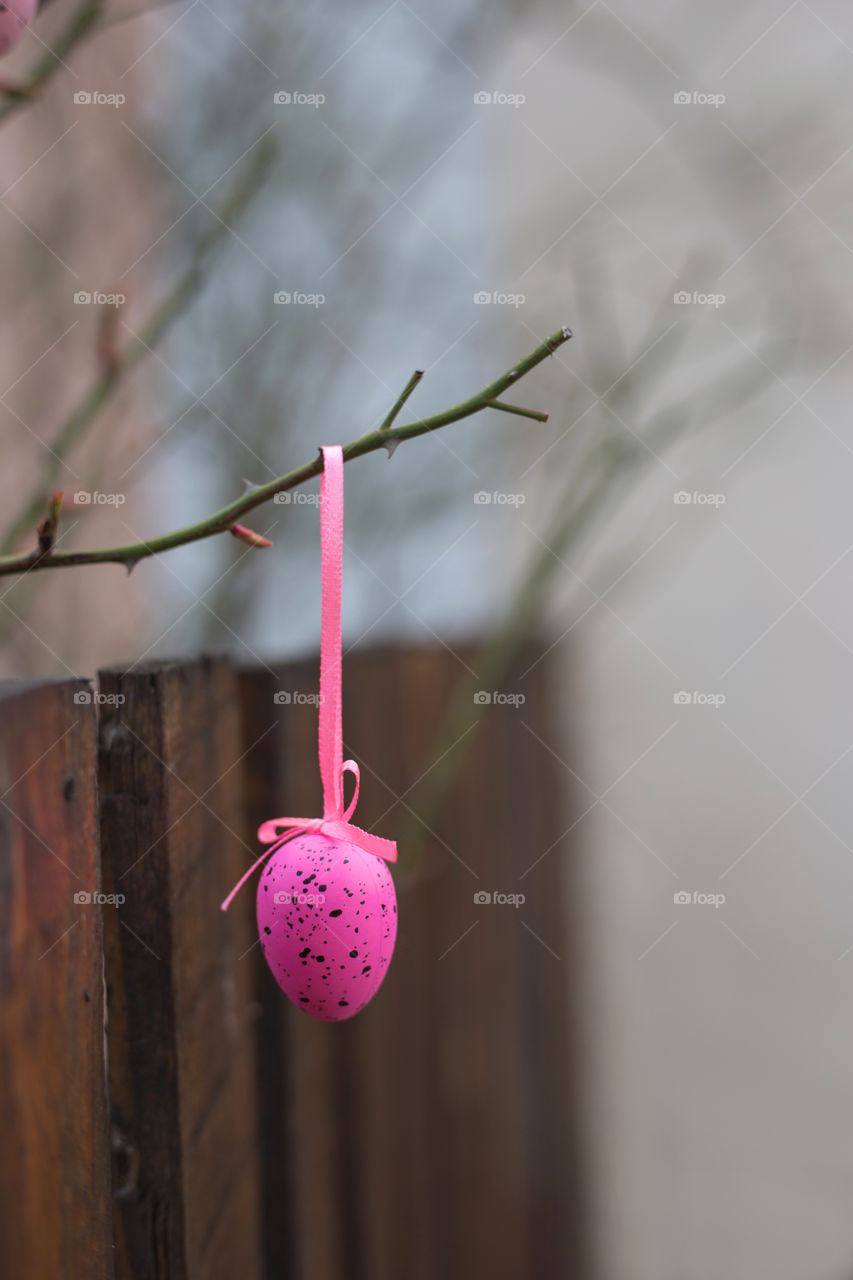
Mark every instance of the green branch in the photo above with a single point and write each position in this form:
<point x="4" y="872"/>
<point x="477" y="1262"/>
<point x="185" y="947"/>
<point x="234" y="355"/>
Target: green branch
<point x="221" y="521"/>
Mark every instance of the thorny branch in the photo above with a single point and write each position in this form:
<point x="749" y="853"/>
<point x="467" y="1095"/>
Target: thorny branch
<point x="386" y="436"/>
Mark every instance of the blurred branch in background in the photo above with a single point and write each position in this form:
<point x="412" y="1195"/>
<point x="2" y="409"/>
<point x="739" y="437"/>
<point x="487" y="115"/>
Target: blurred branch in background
<point x="81" y="24"/>
<point x="379" y="207"/>
<point x="81" y="419"/>
<point x="607" y="473"/>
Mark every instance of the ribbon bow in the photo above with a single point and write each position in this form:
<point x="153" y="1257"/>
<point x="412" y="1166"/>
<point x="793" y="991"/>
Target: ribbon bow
<point x="335" y="821"/>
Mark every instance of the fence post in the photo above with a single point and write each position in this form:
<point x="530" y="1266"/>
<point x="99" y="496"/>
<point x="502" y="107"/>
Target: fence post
<point x="180" y="993"/>
<point x="55" y="1201"/>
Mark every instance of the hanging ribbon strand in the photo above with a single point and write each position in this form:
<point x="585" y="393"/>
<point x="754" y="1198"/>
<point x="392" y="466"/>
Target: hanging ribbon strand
<point x="335" y="821"/>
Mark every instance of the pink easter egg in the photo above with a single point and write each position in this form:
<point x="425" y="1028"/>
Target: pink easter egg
<point x="327" y="920"/>
<point x="15" y="17"/>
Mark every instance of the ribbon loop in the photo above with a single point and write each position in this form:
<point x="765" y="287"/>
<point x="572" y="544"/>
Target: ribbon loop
<point x="335" y="821"/>
<point x="350" y="766"/>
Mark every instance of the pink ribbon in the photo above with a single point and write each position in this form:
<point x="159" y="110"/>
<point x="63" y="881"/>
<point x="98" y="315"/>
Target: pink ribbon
<point x="335" y="821"/>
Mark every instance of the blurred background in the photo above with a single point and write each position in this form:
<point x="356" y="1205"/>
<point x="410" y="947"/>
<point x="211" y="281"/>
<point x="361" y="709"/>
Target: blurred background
<point x="287" y="210"/>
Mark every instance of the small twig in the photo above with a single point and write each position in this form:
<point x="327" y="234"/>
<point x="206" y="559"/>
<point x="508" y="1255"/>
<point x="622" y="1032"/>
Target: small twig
<point x="222" y="521"/>
<point x="402" y="398"/>
<point x="514" y="408"/>
<point x="107" y="342"/>
<point x="83" y="415"/>
<point x="79" y="26"/>
<point x="49" y="525"/>
<point x="141" y="11"/>
<point x="12" y="89"/>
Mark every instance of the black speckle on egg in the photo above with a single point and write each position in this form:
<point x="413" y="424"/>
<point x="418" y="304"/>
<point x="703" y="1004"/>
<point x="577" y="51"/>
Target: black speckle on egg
<point x="304" y="999"/>
<point x="267" y="929"/>
<point x="353" y="955"/>
<point x="337" y="912"/>
<point x="306" y="952"/>
<point x="319" y="959"/>
<point x="342" y="1004"/>
<point x="322" y="887"/>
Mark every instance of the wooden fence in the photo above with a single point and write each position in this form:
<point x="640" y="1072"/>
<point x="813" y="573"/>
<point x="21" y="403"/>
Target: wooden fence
<point x="166" y="1113"/>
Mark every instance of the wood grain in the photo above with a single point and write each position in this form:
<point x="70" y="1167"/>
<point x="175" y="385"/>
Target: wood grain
<point x="181" y="1002"/>
<point x="433" y="1135"/>
<point x="55" y="1195"/>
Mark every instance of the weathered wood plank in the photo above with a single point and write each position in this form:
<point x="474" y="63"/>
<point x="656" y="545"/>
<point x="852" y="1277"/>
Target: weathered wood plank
<point x="312" y="1115"/>
<point x="263" y="766"/>
<point x="180" y="993"/>
<point x="55" y="1191"/>
<point x="433" y="1135"/>
<point x="396" y="701"/>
